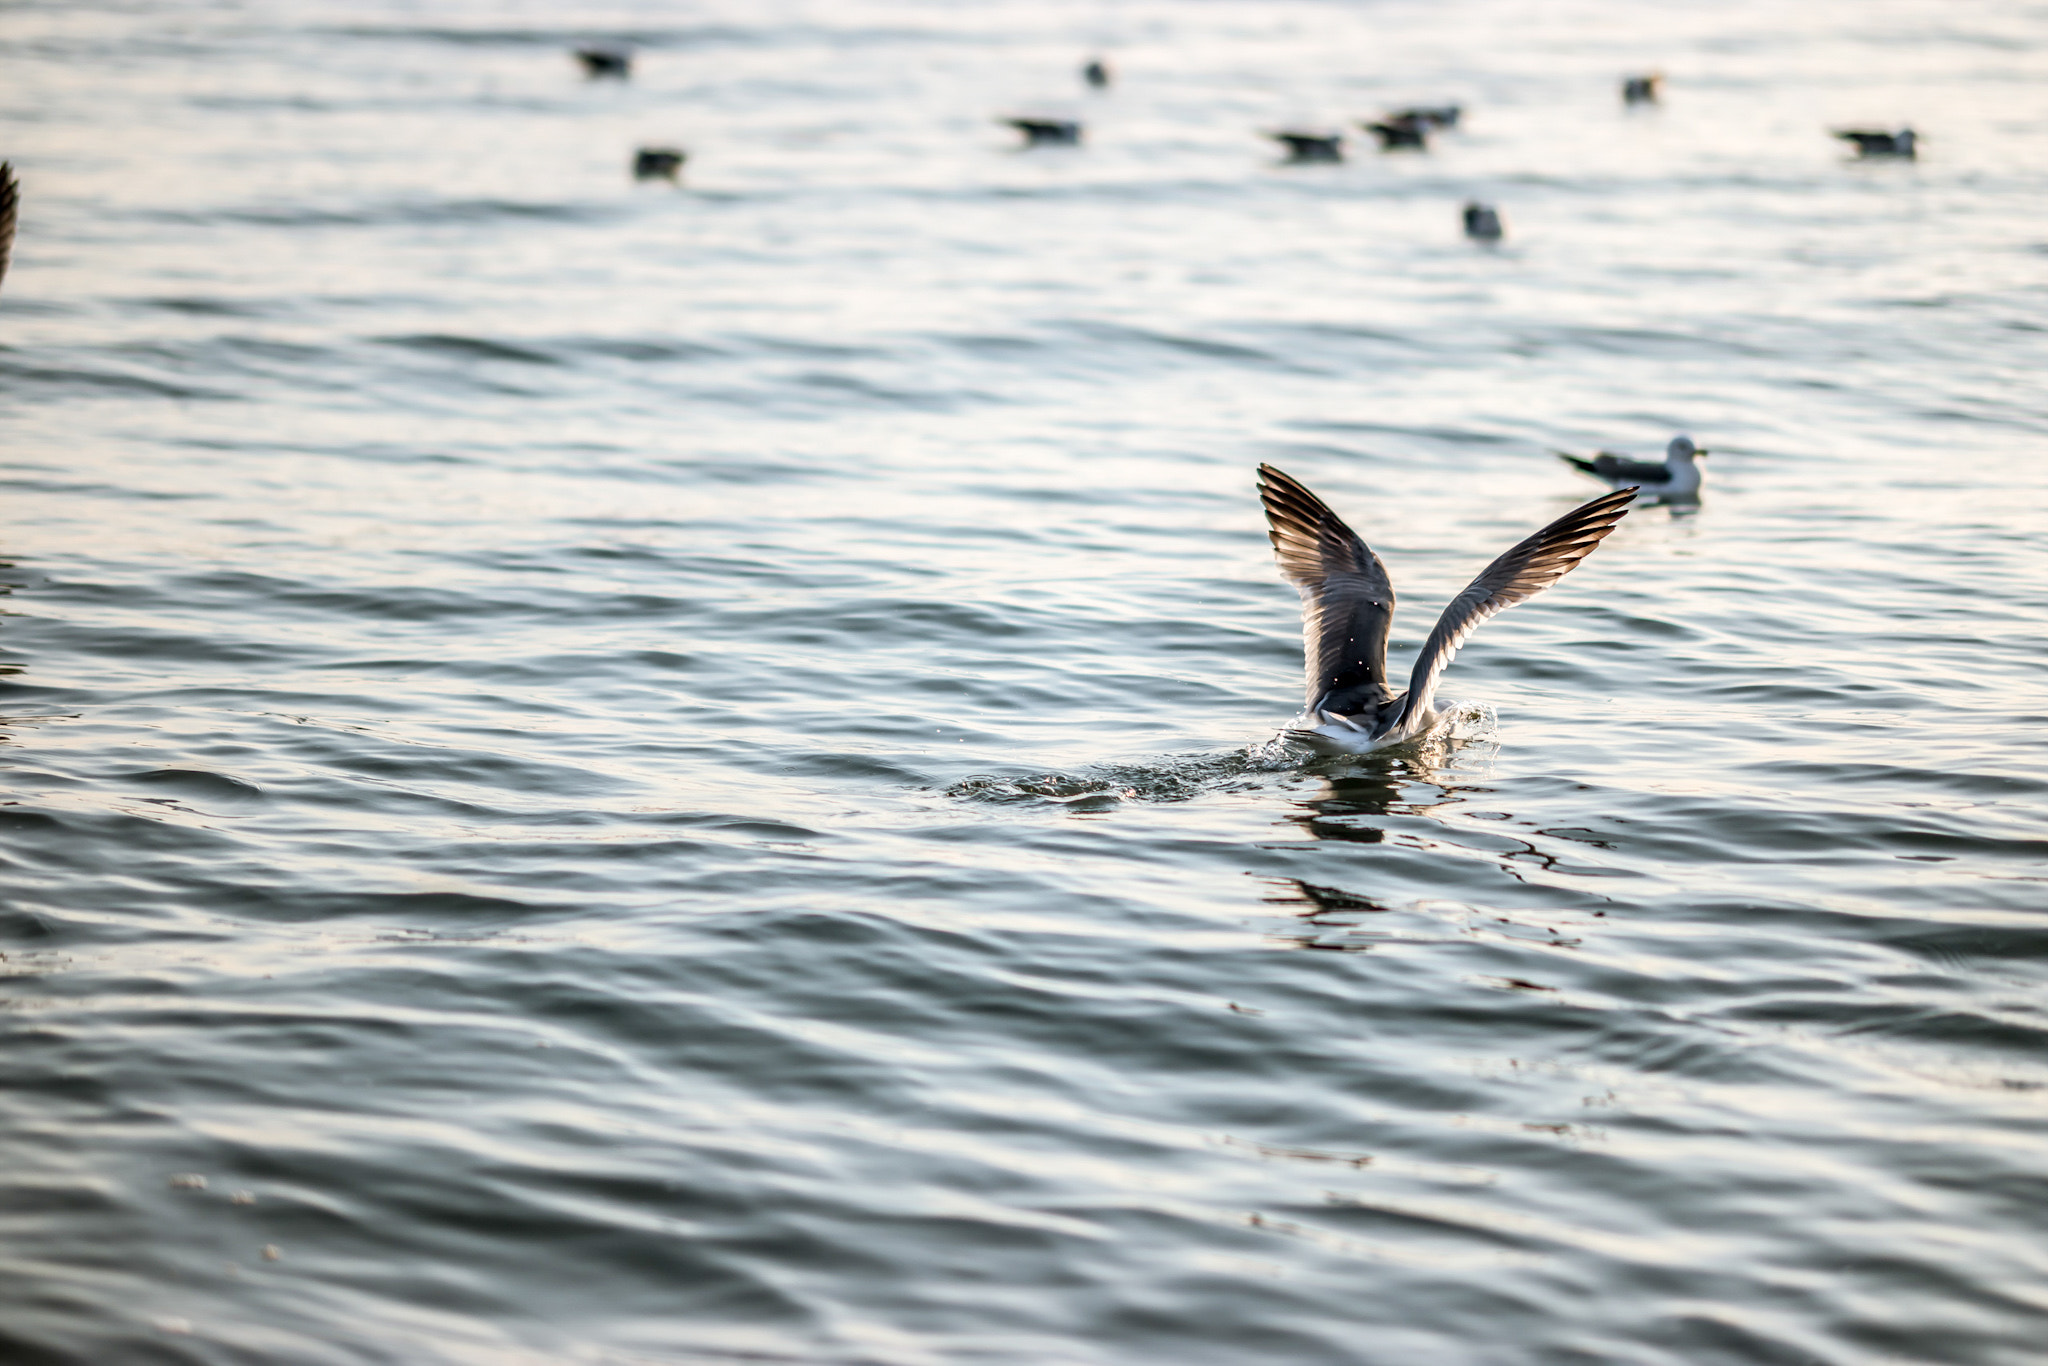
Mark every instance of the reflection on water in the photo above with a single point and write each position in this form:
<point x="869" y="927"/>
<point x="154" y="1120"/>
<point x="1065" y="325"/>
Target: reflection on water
<point x="1335" y="812"/>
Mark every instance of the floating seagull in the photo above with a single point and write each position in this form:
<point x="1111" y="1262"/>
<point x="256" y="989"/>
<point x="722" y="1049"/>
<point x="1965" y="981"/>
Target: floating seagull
<point x="659" y="163"/>
<point x="1878" y="143"/>
<point x="1482" y="222"/>
<point x="1096" y="73"/>
<point x="10" y="204"/>
<point x="1303" y="147"/>
<point x="1402" y="131"/>
<point x="1674" y="479"/>
<point x="1430" y="115"/>
<point x="1641" y="89"/>
<point x="1046" y="132"/>
<point x="1347" y="608"/>
<point x="599" y="62"/>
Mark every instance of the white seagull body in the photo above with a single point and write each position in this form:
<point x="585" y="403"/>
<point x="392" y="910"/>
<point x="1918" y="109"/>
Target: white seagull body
<point x="1675" y="480"/>
<point x="1347" y="608"/>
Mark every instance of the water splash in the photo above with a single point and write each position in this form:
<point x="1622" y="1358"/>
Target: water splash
<point x="1179" y="778"/>
<point x="1171" y="778"/>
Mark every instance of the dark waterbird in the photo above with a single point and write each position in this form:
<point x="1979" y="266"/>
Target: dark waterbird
<point x="1482" y="222"/>
<point x="659" y="163"/>
<point x="1096" y="73"/>
<point x="600" y="62"/>
<point x="1641" y="89"/>
<point x="10" y="205"/>
<point x="1674" y="479"/>
<point x="1400" y="132"/>
<point x="1876" y="142"/>
<point x="1046" y="132"/>
<point x="1304" y="147"/>
<point x="1347" y="610"/>
<point x="1430" y="115"/>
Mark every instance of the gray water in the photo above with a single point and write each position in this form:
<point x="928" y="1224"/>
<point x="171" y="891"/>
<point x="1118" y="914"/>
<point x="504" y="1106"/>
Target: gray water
<point x="614" y="773"/>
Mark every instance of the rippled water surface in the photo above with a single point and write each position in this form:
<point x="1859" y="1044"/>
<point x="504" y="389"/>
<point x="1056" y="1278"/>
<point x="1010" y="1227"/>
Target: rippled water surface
<point x="628" y="774"/>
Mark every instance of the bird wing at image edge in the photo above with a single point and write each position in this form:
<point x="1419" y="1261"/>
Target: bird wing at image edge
<point x="10" y="201"/>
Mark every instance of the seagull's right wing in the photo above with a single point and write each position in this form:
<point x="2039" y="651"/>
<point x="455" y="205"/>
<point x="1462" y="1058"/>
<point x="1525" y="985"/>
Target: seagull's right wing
<point x="10" y="201"/>
<point x="1347" y="602"/>
<point x="1521" y="572"/>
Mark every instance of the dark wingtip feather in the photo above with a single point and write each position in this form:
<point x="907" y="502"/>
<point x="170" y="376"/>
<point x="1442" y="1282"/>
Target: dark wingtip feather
<point x="1547" y="556"/>
<point x="1299" y="524"/>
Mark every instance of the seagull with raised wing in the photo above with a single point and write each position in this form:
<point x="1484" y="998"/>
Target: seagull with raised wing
<point x="1675" y="479"/>
<point x="1347" y="609"/>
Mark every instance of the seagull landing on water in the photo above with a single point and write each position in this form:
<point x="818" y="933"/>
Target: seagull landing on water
<point x="1676" y="480"/>
<point x="1347" y="607"/>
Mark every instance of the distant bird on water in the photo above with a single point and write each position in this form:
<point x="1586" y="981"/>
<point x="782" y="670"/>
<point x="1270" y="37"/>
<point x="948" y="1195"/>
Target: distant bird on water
<point x="1430" y="115"/>
<point x="10" y="206"/>
<point x="1096" y="73"/>
<point x="1400" y="132"/>
<point x="599" y="62"/>
<point x="1306" y="147"/>
<point x="1641" y="89"/>
<point x="1675" y="479"/>
<point x="1482" y="222"/>
<point x="1879" y="143"/>
<point x="1046" y="132"/>
<point x="659" y="163"/>
<point x="1347" y="609"/>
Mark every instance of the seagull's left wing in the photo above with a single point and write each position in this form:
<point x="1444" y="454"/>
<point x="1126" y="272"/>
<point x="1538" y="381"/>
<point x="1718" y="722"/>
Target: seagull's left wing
<point x="1347" y="602"/>
<point x="1521" y="572"/>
